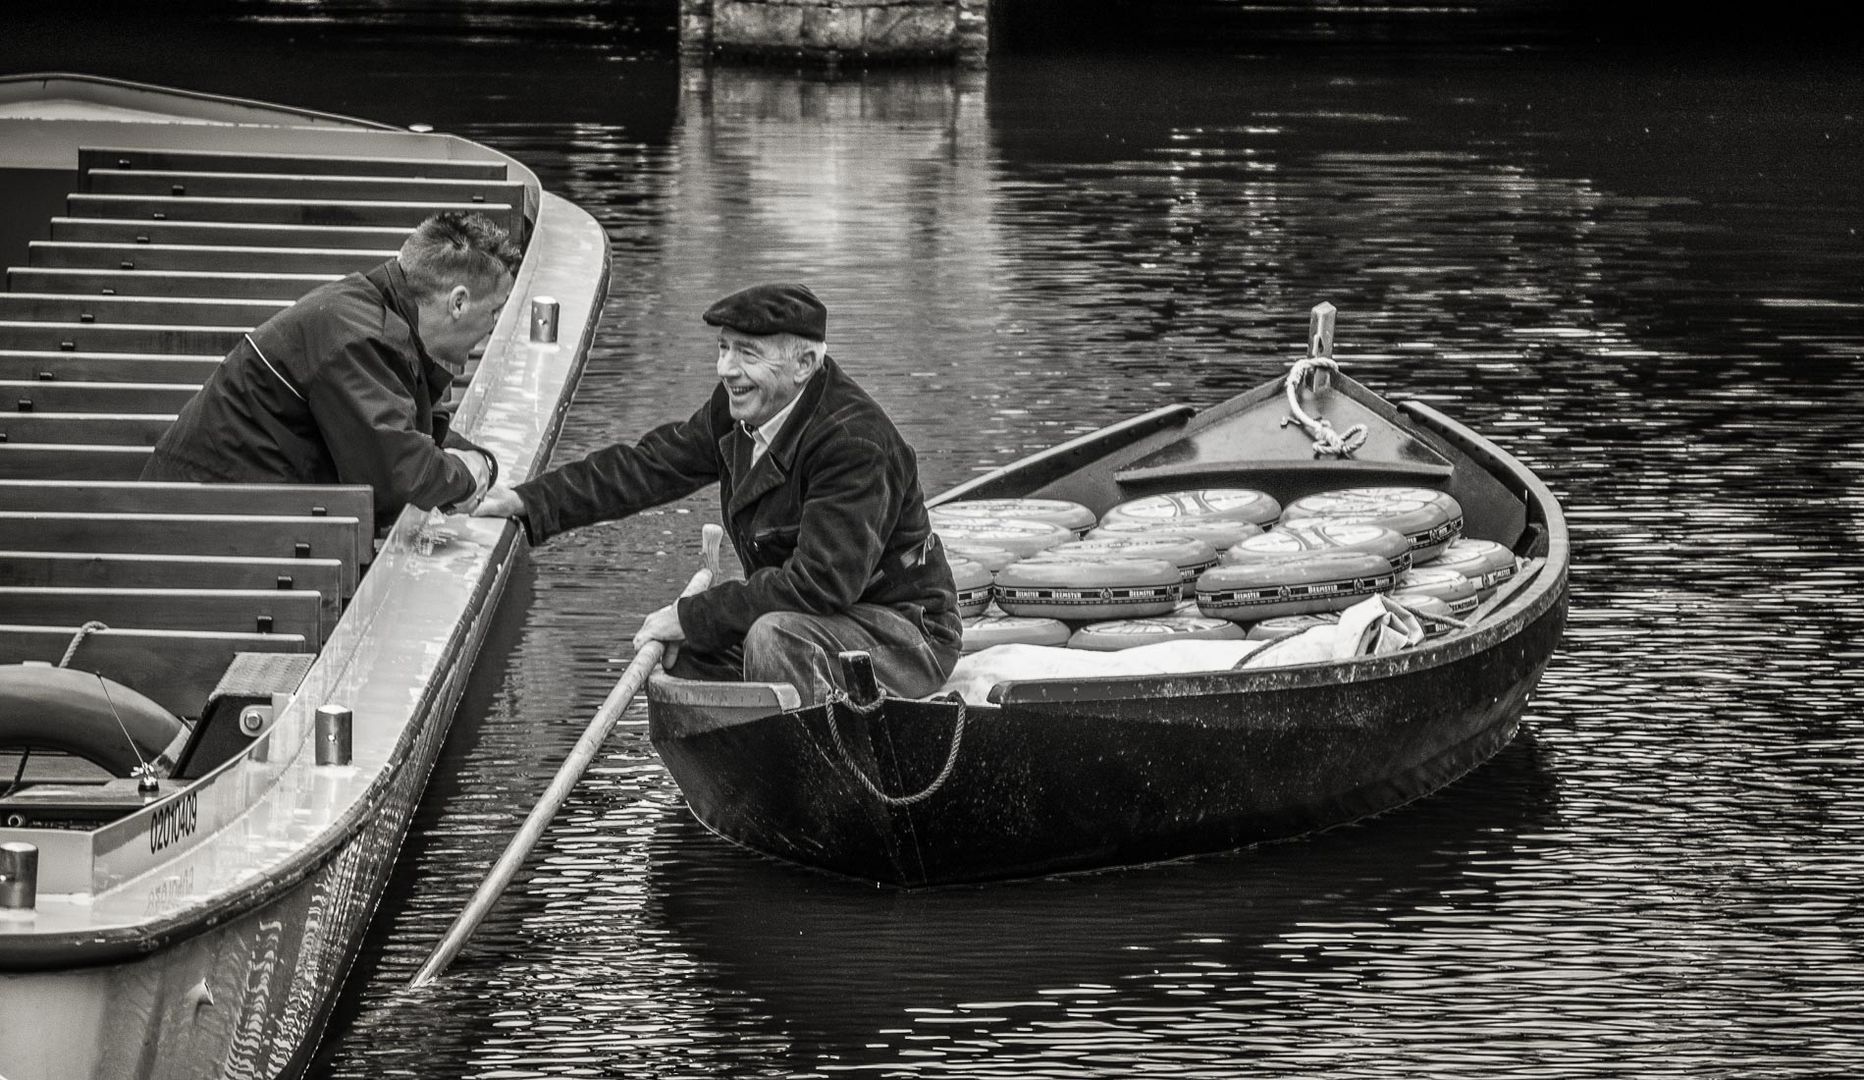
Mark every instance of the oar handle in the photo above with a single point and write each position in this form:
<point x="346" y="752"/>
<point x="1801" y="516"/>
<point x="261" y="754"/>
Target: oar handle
<point x="593" y="736"/>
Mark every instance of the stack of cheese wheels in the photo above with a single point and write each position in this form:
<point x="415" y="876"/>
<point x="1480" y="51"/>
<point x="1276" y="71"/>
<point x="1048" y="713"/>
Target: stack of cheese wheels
<point x="1320" y="535"/>
<point x="992" y="559"/>
<point x="1447" y="585"/>
<point x="1268" y="584"/>
<point x="974" y="582"/>
<point x="1484" y="562"/>
<point x="1191" y="555"/>
<point x="996" y="628"/>
<point x="1196" y="513"/>
<point x="1069" y="515"/>
<point x="1020" y="537"/>
<point x="1128" y="633"/>
<point x="1087" y="588"/>
<point x="1290" y="625"/>
<point x="1429" y="519"/>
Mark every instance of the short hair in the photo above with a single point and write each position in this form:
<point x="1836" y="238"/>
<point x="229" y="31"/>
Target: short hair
<point x="457" y="247"/>
<point x="792" y="346"/>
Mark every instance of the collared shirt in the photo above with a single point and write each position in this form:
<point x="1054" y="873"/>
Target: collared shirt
<point x="766" y="433"/>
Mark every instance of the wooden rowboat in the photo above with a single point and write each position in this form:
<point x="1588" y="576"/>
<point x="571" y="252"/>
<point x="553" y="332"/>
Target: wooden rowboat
<point x="196" y="916"/>
<point x="1074" y="774"/>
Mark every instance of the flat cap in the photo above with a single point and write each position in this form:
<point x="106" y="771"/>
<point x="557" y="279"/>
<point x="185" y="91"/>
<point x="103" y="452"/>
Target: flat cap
<point x="772" y="309"/>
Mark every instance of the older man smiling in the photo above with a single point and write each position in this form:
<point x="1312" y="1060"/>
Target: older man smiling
<point x="819" y="493"/>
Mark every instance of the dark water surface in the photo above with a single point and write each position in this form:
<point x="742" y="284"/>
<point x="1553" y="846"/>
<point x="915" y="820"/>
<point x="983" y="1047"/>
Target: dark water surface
<point x="1641" y="272"/>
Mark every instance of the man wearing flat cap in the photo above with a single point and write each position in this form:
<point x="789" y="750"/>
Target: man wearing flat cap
<point x="819" y="494"/>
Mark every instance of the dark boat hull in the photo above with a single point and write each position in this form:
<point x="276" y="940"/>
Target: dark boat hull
<point x="1060" y="775"/>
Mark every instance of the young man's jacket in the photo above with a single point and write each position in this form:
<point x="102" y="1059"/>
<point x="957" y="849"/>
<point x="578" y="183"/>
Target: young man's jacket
<point x="335" y="389"/>
<point x="830" y="516"/>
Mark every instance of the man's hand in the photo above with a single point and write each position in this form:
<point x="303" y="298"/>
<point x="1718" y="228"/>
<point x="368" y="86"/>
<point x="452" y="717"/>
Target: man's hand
<point x="479" y="464"/>
<point x="662" y="626"/>
<point x="500" y="501"/>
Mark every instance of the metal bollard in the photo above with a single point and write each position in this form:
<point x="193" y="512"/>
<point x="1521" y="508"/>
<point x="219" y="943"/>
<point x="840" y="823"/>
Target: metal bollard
<point x="19" y="876"/>
<point x="333" y="735"/>
<point x="544" y="312"/>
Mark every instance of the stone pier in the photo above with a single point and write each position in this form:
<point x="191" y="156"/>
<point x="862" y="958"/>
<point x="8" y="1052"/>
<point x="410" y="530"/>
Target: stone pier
<point x="836" y="32"/>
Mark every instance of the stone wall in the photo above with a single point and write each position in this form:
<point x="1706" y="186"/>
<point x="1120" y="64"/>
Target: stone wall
<point x="836" y="31"/>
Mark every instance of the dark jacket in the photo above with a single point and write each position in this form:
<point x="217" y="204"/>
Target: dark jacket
<point x="335" y="389"/>
<point x="832" y="515"/>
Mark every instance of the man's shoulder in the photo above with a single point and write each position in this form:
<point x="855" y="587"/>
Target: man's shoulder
<point x="351" y="308"/>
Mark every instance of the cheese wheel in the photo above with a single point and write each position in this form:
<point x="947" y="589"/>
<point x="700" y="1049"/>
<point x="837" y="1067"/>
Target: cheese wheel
<point x="1289" y="625"/>
<point x="1019" y="536"/>
<point x="992" y="559"/>
<point x="1257" y="508"/>
<point x="1191" y="555"/>
<point x="975" y="586"/>
<point x="1275" y="583"/>
<point x="1219" y="533"/>
<point x="1069" y="515"/>
<point x="1315" y="534"/>
<point x="1429" y="519"/>
<point x="1127" y="633"/>
<point x="1447" y="585"/>
<point x="1088" y="589"/>
<point x="1423" y="605"/>
<point x="1484" y="562"/>
<point x="988" y="630"/>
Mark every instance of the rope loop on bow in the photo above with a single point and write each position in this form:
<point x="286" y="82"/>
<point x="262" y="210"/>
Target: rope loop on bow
<point x="1327" y="441"/>
<point x="840" y="699"/>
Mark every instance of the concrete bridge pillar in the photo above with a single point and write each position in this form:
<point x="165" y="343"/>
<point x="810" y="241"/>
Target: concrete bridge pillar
<point x="831" y="32"/>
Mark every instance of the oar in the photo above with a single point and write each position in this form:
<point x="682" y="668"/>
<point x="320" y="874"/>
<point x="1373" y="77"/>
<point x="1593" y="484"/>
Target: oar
<point x="584" y="752"/>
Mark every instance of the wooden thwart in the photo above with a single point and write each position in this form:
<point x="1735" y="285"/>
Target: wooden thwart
<point x="42" y="365"/>
<point x="174" y="183"/>
<point x="280" y="211"/>
<point x="243" y="611"/>
<point x="286" y="287"/>
<point x="227" y="233"/>
<point x="54" y="396"/>
<point x="33" y="336"/>
<point x="84" y="429"/>
<point x="211" y="258"/>
<point x="262" y="536"/>
<point x="289" y="500"/>
<point x="138" y="310"/>
<point x="116" y="157"/>
<point x="129" y="570"/>
<point x="21" y="461"/>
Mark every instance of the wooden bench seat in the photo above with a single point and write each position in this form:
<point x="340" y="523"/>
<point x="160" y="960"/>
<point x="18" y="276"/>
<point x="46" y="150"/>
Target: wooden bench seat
<point x="226" y="233"/>
<point x="169" y="283"/>
<point x="55" y="396"/>
<point x="176" y="668"/>
<point x="256" y="535"/>
<point x="280" y="211"/>
<point x="259" y="611"/>
<point x="35" y="336"/>
<point x="84" y="429"/>
<point x="118" y="157"/>
<point x="129" y="570"/>
<point x="174" y="183"/>
<point x="65" y="254"/>
<point x="43" y="365"/>
<point x="137" y="310"/>
<point x="19" y="461"/>
<point x="281" y="500"/>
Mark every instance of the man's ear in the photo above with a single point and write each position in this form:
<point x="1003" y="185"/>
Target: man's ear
<point x="810" y="361"/>
<point x="457" y="299"/>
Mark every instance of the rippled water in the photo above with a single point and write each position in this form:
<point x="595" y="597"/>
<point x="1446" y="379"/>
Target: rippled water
<point x="1642" y="274"/>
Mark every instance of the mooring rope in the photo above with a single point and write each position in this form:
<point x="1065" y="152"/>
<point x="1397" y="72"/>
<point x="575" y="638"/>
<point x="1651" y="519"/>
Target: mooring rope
<point x="1326" y="440"/>
<point x="841" y="699"/>
<point x="77" y="639"/>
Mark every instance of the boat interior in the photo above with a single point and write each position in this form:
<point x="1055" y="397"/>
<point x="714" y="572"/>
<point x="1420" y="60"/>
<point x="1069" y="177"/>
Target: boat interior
<point x="131" y="269"/>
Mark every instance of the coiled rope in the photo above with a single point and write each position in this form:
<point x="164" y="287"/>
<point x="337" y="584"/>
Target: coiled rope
<point x="840" y="699"/>
<point x="1326" y="440"/>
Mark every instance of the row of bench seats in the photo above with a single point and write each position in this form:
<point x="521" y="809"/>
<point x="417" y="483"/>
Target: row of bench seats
<point x="160" y="262"/>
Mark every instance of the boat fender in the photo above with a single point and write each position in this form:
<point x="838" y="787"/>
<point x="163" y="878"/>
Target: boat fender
<point x="1315" y="534"/>
<point x="1070" y="515"/>
<point x="1191" y="555"/>
<point x="1219" y="533"/>
<point x="1119" y="634"/>
<point x="1019" y="536"/>
<point x="1257" y="508"/>
<point x="988" y="630"/>
<point x="1430" y="519"/>
<point x="1086" y="588"/>
<point x="1289" y="625"/>
<point x="1447" y="585"/>
<point x="88" y="716"/>
<point x="1276" y="583"/>
<point x="1484" y="562"/>
<point x="974" y="586"/>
